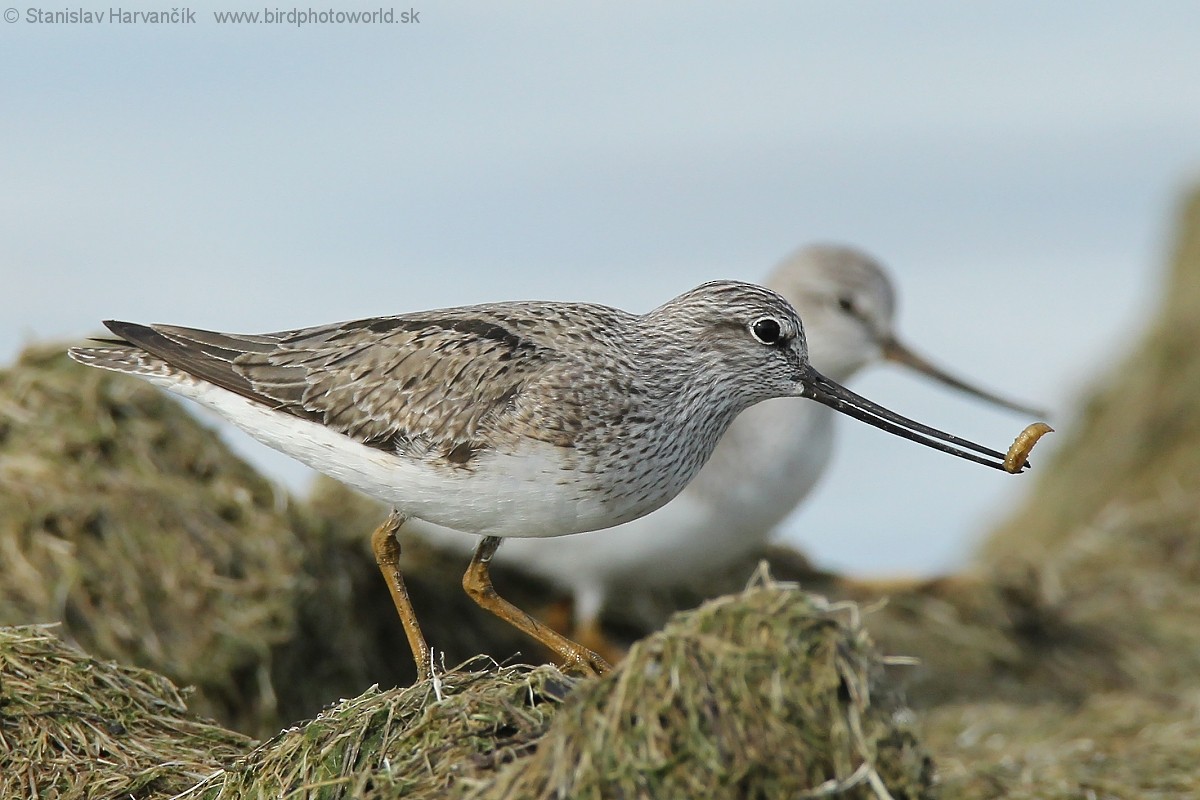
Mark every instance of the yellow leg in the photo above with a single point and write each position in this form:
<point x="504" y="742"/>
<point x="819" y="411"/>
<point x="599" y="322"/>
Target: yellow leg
<point x="387" y="556"/>
<point x="478" y="584"/>
<point x="591" y="635"/>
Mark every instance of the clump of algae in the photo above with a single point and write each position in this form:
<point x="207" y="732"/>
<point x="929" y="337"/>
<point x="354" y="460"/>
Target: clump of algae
<point x="135" y="527"/>
<point x="769" y="693"/>
<point x="74" y="727"/>
<point x="425" y="741"/>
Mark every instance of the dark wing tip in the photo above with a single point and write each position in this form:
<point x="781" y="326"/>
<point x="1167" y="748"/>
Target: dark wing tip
<point x="127" y="330"/>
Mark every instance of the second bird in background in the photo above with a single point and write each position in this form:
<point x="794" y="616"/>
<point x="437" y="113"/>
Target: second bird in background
<point x="766" y="464"/>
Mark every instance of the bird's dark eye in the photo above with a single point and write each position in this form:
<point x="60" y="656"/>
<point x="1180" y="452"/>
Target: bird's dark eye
<point x="846" y="303"/>
<point x="767" y="330"/>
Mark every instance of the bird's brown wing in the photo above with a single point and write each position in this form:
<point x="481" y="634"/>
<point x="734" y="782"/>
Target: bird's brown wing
<point x="428" y="385"/>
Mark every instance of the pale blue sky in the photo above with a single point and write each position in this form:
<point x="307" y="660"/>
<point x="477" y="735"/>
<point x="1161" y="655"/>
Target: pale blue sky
<point x="1008" y="161"/>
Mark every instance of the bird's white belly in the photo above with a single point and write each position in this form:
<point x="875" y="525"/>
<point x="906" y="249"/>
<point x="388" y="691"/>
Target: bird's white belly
<point x="768" y="462"/>
<point x="523" y="494"/>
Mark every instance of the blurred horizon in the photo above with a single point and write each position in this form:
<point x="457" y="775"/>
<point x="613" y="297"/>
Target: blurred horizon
<point x="1016" y="168"/>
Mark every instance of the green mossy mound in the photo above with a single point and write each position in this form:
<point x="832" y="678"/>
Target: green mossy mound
<point x="136" y="528"/>
<point x="1113" y="746"/>
<point x="770" y="693"/>
<point x="1110" y="537"/>
<point x="1113" y="526"/>
<point x="72" y="726"/>
<point x="984" y="635"/>
<point x="427" y="741"/>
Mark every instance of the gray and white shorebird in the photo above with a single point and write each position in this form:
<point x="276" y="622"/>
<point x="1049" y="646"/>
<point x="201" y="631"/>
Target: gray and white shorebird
<point x="765" y="465"/>
<point x="520" y="419"/>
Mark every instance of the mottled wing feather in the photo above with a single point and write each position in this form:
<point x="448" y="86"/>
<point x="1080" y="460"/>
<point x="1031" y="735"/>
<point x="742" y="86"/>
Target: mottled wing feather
<point x="204" y="354"/>
<point x="425" y="387"/>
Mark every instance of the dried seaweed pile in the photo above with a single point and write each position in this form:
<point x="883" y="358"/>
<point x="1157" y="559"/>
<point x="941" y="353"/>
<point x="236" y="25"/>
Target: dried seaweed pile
<point x="770" y="693"/>
<point x="73" y="727"/>
<point x="1112" y="746"/>
<point x="1113" y="528"/>
<point x="418" y="742"/>
<point x="134" y="526"/>
<point x="1111" y="536"/>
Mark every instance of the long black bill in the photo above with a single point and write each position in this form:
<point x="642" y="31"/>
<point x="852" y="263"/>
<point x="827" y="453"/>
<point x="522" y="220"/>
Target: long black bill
<point x="839" y="398"/>
<point x="897" y="352"/>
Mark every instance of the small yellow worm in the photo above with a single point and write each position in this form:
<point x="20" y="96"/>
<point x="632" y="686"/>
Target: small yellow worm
<point x="1022" y="446"/>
